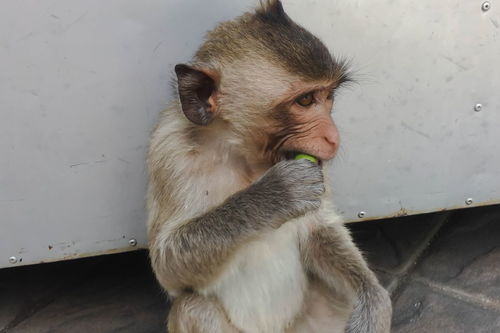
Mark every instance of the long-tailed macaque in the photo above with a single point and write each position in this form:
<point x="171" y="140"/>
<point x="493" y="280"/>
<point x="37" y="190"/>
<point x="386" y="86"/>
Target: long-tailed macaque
<point x="242" y="235"/>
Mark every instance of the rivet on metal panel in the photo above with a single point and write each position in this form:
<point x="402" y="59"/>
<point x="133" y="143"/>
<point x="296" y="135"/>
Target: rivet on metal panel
<point x="12" y="260"/>
<point x="478" y="107"/>
<point x="469" y="201"/>
<point x="486" y="6"/>
<point x="132" y="242"/>
<point x="361" y="214"/>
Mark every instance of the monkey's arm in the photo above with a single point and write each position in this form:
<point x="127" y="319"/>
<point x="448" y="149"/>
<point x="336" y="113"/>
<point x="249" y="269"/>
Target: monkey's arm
<point x="192" y="254"/>
<point x="331" y="256"/>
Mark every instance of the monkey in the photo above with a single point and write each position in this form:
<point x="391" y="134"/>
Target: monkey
<point x="242" y="236"/>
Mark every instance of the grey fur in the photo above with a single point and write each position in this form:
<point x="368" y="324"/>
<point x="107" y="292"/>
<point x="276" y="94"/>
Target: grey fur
<point x="333" y="258"/>
<point x="197" y="223"/>
<point x="288" y="190"/>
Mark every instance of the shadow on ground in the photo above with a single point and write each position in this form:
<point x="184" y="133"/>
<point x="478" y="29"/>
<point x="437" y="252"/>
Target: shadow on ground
<point x="443" y="271"/>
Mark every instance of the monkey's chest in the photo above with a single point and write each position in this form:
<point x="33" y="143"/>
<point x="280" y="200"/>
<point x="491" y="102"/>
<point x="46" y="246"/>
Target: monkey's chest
<point x="262" y="289"/>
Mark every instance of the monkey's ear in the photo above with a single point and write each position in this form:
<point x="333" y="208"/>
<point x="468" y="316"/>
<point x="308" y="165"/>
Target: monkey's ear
<point x="196" y="91"/>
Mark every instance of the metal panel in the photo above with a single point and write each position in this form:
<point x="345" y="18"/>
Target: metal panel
<point x="412" y="139"/>
<point x="81" y="84"/>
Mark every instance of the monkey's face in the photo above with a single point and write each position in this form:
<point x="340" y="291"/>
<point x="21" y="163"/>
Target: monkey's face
<point x="303" y="123"/>
<point x="299" y="121"/>
<point x="278" y="114"/>
<point x="270" y="80"/>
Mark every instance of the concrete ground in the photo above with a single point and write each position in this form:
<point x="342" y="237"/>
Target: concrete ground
<point x="443" y="271"/>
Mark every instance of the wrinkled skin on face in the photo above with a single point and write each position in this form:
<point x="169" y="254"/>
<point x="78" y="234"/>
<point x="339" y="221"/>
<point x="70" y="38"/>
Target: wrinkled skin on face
<point x="304" y="124"/>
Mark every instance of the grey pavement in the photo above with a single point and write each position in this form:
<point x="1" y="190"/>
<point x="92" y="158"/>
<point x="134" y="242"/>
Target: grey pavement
<point x="442" y="269"/>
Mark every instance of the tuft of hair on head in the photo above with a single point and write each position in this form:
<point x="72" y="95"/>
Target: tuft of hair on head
<point x="290" y="44"/>
<point x="272" y="10"/>
<point x="270" y="34"/>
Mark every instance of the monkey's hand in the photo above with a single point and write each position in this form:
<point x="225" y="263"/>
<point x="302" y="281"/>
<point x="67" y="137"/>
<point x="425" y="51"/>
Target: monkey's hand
<point x="295" y="187"/>
<point x="199" y="248"/>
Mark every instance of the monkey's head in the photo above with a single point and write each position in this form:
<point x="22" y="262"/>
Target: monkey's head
<point x="269" y="81"/>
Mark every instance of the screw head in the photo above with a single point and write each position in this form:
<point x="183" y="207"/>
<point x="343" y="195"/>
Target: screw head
<point x="361" y="214"/>
<point x="132" y="242"/>
<point x="12" y="260"/>
<point x="478" y="107"/>
<point x="486" y="6"/>
<point x="469" y="201"/>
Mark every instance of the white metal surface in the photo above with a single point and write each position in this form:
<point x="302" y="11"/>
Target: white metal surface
<point x="81" y="84"/>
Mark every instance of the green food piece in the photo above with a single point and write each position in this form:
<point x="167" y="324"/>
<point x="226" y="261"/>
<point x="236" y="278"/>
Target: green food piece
<point x="307" y="157"/>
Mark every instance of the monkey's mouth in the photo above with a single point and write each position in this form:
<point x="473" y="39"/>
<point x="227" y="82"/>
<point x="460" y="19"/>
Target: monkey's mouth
<point x="291" y="154"/>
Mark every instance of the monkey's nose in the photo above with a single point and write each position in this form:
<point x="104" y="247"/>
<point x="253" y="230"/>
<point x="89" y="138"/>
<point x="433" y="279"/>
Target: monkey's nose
<point x="327" y="150"/>
<point x="332" y="137"/>
<point x="334" y="146"/>
<point x="332" y="141"/>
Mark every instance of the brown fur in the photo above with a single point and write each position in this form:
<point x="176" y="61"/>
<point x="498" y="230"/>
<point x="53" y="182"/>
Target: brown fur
<point x="350" y="276"/>
<point x="193" y="313"/>
<point x="240" y="237"/>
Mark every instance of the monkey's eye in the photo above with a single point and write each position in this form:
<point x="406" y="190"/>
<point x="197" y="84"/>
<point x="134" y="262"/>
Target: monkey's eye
<point x="305" y="100"/>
